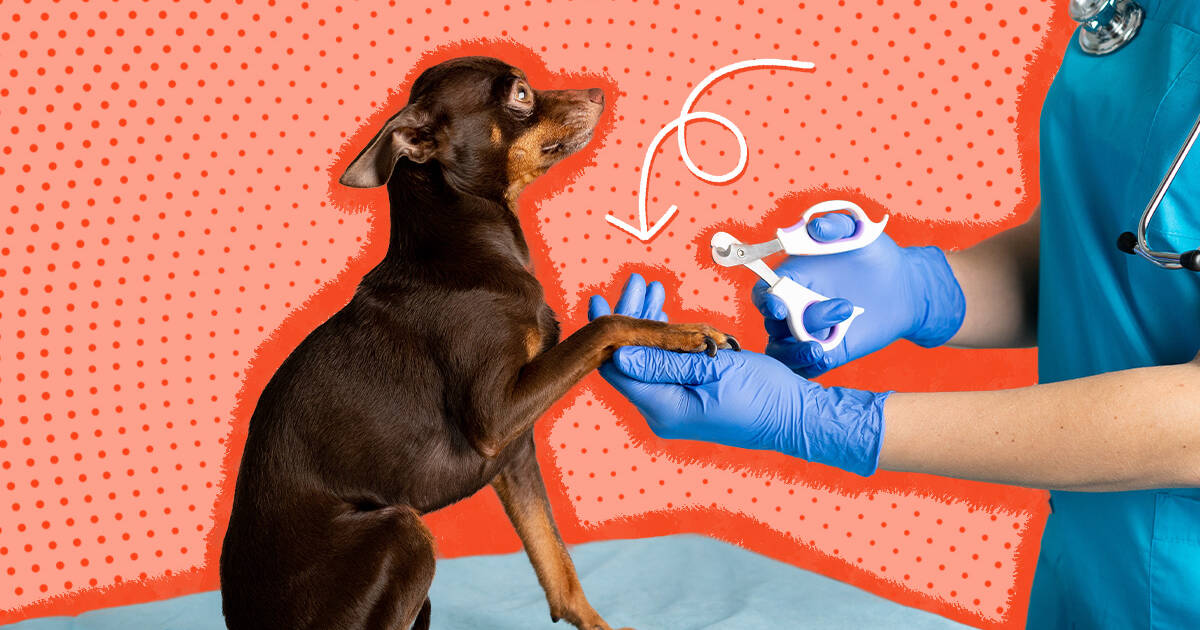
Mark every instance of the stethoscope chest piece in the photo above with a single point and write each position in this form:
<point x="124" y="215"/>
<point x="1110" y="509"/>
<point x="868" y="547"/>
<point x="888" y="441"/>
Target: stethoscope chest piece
<point x="1107" y="24"/>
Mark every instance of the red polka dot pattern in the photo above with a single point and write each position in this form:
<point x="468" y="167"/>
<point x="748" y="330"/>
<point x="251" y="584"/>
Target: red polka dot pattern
<point x="911" y="103"/>
<point x="164" y="176"/>
<point x="166" y="170"/>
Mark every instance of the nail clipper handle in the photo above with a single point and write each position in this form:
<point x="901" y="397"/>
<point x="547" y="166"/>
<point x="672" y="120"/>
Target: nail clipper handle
<point x="797" y="241"/>
<point x="798" y="298"/>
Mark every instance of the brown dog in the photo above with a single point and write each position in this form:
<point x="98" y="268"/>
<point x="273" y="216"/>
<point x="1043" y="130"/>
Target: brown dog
<point x="426" y="386"/>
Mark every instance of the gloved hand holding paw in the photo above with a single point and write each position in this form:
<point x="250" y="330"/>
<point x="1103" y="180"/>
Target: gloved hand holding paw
<point x="741" y="399"/>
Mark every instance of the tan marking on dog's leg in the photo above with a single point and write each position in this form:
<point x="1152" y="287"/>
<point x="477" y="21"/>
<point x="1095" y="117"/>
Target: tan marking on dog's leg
<point x="533" y="343"/>
<point x="523" y="495"/>
<point x="496" y="135"/>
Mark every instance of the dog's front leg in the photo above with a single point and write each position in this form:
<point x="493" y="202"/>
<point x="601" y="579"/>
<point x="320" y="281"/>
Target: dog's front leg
<point x="506" y="406"/>
<point x="523" y="494"/>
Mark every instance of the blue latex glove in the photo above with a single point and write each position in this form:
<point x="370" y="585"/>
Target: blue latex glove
<point x="741" y="399"/>
<point x="637" y="300"/>
<point x="906" y="293"/>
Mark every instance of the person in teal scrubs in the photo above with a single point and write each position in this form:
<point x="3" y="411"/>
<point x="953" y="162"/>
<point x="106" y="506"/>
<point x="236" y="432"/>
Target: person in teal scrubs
<point x="1113" y="427"/>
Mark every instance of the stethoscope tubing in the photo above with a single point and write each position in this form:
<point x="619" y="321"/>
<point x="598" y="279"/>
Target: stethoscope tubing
<point x="1139" y="245"/>
<point x="1166" y="259"/>
<point x="1107" y="26"/>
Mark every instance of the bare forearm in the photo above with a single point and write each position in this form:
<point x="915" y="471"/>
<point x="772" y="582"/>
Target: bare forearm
<point x="1124" y="430"/>
<point x="999" y="281"/>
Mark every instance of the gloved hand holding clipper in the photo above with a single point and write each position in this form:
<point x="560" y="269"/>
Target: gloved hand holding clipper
<point x="905" y="292"/>
<point x="740" y="399"/>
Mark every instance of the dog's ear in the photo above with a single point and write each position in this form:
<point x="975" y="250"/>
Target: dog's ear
<point x="407" y="134"/>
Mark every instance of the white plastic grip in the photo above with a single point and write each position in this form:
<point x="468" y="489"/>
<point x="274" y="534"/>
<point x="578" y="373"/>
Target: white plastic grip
<point x="796" y="240"/>
<point x="798" y="298"/>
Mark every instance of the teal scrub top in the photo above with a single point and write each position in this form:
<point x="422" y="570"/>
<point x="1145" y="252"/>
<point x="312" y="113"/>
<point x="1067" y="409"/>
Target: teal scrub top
<point x="1110" y="127"/>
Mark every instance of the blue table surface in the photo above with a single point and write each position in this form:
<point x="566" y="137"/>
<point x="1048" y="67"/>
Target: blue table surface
<point x="682" y="582"/>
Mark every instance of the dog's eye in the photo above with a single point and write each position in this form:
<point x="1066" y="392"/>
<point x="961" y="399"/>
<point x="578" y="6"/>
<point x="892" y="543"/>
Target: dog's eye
<point x="522" y="94"/>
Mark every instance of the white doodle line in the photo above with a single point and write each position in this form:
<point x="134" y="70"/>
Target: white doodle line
<point x="646" y="231"/>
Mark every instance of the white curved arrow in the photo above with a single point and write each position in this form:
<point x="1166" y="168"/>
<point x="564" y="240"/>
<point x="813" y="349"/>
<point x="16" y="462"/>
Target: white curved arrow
<point x="645" y="231"/>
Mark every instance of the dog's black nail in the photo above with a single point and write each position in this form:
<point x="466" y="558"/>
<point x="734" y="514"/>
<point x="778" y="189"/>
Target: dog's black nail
<point x="733" y="343"/>
<point x="710" y="346"/>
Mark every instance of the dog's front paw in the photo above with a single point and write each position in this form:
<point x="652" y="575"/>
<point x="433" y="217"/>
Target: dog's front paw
<point x="631" y="331"/>
<point x="696" y="338"/>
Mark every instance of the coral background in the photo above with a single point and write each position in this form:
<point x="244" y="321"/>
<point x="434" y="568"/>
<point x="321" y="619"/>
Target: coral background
<point x="174" y="228"/>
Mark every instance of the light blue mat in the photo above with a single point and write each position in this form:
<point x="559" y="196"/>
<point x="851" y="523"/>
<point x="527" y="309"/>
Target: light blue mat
<point x="674" y="582"/>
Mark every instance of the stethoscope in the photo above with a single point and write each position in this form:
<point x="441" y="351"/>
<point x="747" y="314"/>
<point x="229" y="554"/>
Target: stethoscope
<point x="1107" y="25"/>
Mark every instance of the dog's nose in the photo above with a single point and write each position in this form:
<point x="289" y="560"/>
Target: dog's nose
<point x="596" y="95"/>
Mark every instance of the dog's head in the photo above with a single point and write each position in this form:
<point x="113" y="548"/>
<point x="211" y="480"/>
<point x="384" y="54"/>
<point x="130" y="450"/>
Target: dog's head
<point x="491" y="132"/>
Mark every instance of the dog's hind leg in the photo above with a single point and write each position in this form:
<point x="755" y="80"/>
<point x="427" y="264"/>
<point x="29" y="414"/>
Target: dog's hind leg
<point x="523" y="495"/>
<point x="381" y="566"/>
